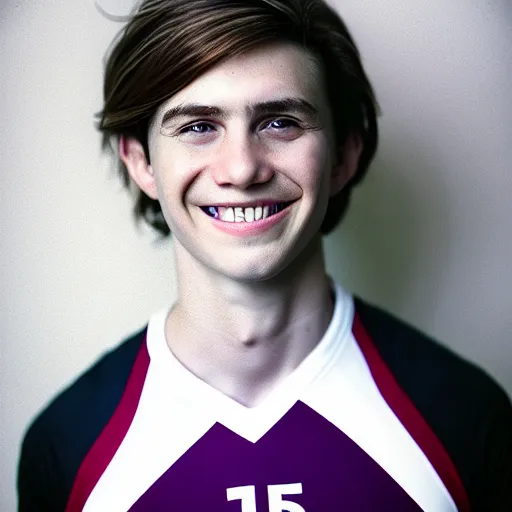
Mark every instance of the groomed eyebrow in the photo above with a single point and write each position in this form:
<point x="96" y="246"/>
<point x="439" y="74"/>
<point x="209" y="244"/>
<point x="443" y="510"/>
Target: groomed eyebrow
<point x="280" y="106"/>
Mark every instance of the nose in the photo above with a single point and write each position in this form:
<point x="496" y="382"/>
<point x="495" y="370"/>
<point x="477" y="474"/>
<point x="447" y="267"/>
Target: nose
<point x="241" y="162"/>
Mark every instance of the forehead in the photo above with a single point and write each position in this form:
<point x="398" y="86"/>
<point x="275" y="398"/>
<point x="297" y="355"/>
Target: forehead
<point x="262" y="74"/>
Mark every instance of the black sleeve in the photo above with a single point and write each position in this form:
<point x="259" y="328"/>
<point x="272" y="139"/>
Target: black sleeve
<point x="38" y="474"/>
<point x="60" y="437"/>
<point x="497" y="455"/>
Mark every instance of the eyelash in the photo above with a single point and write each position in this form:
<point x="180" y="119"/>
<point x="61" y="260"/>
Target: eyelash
<point x="190" y="128"/>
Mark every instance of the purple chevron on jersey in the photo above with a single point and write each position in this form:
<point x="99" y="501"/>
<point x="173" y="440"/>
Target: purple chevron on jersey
<point x="302" y="448"/>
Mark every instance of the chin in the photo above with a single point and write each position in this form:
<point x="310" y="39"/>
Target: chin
<point x="252" y="273"/>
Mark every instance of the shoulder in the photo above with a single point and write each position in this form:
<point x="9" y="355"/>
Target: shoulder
<point x="422" y="364"/>
<point x="97" y="391"/>
<point x="465" y="407"/>
<point x="61" y="435"/>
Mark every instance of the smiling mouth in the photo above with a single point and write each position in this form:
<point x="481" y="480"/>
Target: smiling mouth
<point x="244" y="214"/>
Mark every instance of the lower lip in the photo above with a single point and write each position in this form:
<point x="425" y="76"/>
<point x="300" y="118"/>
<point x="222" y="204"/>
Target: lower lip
<point x="250" y="228"/>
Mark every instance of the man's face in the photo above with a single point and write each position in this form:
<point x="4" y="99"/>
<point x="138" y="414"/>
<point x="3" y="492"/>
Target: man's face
<point x="246" y="139"/>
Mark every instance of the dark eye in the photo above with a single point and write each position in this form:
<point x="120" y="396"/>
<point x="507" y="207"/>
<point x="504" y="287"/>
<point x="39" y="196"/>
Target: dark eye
<point x="282" y="124"/>
<point x="198" y="128"/>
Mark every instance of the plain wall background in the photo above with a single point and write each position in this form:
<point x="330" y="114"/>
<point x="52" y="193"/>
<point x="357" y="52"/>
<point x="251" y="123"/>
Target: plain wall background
<point x="428" y="235"/>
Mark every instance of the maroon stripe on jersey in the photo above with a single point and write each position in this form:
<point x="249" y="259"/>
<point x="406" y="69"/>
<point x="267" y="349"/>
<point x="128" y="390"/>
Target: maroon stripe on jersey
<point x="411" y="418"/>
<point x="104" y="448"/>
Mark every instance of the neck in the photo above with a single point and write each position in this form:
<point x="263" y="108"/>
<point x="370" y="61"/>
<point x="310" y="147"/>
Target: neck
<point x="242" y="338"/>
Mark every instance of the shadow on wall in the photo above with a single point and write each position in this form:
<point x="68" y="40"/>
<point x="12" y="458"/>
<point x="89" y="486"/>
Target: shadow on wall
<point x="397" y="230"/>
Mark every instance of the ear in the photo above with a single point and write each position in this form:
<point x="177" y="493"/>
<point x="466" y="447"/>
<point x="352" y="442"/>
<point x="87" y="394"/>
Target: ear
<point x="132" y="155"/>
<point x="346" y="163"/>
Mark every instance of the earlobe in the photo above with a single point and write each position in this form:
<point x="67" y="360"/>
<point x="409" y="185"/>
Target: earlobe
<point x="347" y="163"/>
<point x="131" y="153"/>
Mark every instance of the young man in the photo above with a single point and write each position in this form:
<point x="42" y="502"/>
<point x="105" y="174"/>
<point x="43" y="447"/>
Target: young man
<point x="266" y="387"/>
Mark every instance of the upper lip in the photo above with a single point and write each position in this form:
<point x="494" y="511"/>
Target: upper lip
<point x="248" y="204"/>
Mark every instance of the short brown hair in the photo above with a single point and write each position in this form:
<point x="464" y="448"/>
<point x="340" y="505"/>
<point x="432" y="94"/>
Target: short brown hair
<point x="169" y="43"/>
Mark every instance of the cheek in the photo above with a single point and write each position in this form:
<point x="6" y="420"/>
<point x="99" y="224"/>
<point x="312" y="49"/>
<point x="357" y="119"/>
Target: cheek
<point x="314" y="164"/>
<point x="174" y="172"/>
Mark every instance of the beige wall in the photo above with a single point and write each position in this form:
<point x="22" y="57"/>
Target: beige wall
<point x="428" y="235"/>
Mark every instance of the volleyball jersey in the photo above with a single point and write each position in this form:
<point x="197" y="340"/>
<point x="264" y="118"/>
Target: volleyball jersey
<point x="376" y="418"/>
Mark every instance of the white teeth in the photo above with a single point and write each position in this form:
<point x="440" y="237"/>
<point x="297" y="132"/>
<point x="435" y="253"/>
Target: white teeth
<point x="249" y="214"/>
<point x="239" y="215"/>
<point x="229" y="215"/>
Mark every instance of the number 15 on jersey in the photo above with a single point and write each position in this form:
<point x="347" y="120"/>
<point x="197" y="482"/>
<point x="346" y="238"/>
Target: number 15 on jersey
<point x="276" y="503"/>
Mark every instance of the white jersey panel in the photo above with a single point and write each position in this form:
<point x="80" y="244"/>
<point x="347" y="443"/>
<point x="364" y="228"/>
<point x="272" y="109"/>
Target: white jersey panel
<point x="348" y="397"/>
<point x="176" y="409"/>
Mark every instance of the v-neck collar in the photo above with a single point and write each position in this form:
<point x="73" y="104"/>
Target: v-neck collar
<point x="250" y="422"/>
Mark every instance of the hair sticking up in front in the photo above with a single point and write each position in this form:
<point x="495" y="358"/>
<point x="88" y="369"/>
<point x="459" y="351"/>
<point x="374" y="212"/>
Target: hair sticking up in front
<point x="167" y="44"/>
